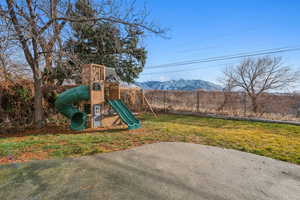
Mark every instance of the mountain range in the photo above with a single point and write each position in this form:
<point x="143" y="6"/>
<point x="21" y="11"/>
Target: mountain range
<point x="180" y="84"/>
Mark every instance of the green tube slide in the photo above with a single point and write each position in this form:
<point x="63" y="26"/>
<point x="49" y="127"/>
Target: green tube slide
<point x="65" y="105"/>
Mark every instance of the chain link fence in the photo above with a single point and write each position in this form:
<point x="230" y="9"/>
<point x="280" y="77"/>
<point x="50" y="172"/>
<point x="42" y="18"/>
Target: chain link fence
<point x="271" y="106"/>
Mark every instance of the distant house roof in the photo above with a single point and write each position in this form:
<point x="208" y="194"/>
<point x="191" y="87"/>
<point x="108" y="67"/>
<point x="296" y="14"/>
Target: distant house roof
<point x="111" y="74"/>
<point x="129" y="85"/>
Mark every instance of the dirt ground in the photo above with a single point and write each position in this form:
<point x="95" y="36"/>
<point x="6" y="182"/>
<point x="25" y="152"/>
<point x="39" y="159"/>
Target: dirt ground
<point x="155" y="171"/>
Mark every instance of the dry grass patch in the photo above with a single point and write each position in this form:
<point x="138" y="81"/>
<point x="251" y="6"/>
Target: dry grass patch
<point x="273" y="140"/>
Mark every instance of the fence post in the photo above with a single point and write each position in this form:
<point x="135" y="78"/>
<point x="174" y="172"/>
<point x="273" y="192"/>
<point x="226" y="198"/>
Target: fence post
<point x="245" y="103"/>
<point x="143" y="101"/>
<point x="198" y="100"/>
<point x="165" y="99"/>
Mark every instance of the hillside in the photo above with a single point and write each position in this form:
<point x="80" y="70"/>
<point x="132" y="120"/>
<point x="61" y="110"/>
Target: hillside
<point x="181" y="84"/>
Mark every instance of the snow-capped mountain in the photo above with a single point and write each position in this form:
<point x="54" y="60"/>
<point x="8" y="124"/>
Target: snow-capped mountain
<point x="179" y="85"/>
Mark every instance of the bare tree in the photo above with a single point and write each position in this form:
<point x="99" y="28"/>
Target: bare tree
<point x="256" y="76"/>
<point x="227" y="92"/>
<point x="38" y="26"/>
<point x="11" y="68"/>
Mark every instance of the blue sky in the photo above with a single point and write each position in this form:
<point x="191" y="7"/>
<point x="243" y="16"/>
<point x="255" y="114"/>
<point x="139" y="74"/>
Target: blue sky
<point x="203" y="29"/>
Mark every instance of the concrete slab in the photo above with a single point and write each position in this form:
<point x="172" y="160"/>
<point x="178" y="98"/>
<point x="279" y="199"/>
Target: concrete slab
<point x="155" y="171"/>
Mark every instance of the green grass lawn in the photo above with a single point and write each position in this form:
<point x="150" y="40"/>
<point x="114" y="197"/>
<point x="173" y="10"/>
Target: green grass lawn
<point x="277" y="141"/>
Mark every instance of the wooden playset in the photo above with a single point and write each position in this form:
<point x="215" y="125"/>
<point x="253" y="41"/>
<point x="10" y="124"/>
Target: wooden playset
<point x="96" y="97"/>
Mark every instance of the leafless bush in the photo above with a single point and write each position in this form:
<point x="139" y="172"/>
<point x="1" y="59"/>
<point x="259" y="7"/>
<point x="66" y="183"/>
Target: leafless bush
<point x="133" y="98"/>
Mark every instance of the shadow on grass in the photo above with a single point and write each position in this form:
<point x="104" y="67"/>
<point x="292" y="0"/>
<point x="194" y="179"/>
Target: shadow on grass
<point x="58" y="130"/>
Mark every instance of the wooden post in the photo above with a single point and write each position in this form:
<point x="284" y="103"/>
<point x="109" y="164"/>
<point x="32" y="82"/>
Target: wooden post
<point x="143" y="100"/>
<point x="245" y="103"/>
<point x="150" y="107"/>
<point x="198" y="100"/>
<point x="165" y="98"/>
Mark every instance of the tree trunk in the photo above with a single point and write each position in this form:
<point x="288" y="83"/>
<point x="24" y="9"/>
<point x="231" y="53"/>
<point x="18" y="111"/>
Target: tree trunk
<point x="38" y="99"/>
<point x="254" y="104"/>
<point x="225" y="101"/>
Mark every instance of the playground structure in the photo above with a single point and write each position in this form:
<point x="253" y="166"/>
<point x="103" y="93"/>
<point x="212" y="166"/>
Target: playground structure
<point x="89" y="104"/>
